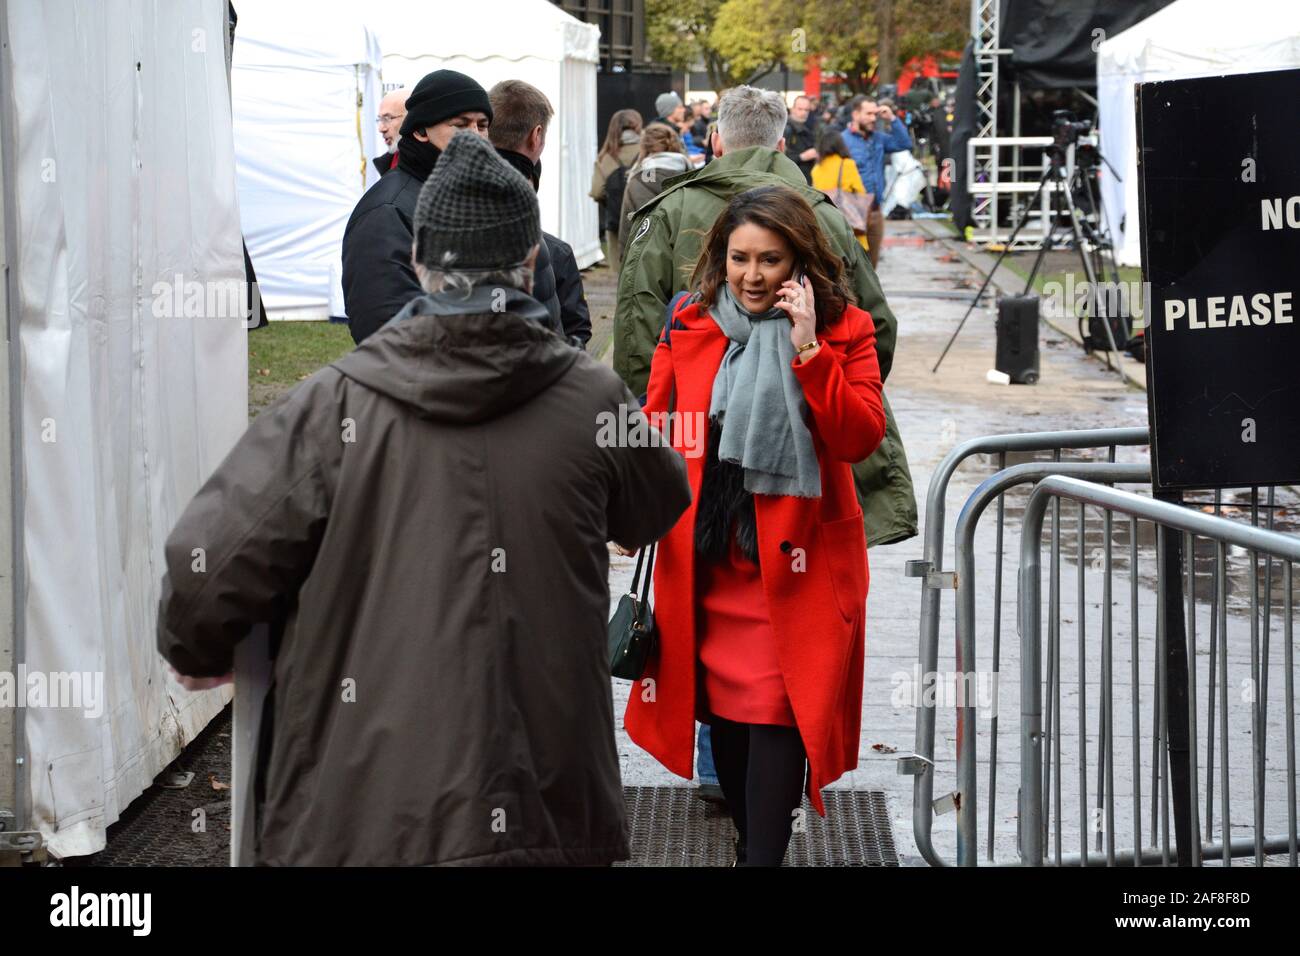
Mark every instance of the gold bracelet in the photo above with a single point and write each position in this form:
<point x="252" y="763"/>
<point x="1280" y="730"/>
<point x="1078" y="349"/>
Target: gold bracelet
<point x="804" y="348"/>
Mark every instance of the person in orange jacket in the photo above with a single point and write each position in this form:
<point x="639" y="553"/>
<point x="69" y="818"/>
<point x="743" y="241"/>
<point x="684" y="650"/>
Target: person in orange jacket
<point x="835" y="169"/>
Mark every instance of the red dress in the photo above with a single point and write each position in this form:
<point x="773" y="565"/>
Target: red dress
<point x="740" y="672"/>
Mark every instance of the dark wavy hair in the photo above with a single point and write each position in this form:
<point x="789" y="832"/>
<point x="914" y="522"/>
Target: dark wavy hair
<point x="783" y="211"/>
<point x="831" y="143"/>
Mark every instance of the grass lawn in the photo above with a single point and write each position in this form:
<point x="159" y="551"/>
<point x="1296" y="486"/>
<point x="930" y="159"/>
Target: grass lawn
<point x="1130" y="277"/>
<point x="284" y="353"/>
<point x="1127" y="274"/>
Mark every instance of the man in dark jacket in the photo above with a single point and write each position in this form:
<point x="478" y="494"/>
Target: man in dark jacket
<point x="574" y="313"/>
<point x="441" y="691"/>
<point x="801" y="137"/>
<point x="377" y="276"/>
<point x="701" y="114"/>
<point x="520" y="115"/>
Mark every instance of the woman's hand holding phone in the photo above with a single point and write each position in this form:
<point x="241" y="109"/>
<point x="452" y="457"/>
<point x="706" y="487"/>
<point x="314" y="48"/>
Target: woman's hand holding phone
<point x="796" y="298"/>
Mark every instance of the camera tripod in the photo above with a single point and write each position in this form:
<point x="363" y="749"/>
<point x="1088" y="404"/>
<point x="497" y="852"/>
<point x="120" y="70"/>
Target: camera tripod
<point x="1055" y="172"/>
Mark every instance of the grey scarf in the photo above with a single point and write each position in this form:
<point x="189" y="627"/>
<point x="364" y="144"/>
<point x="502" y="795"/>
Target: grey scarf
<point x="759" y="405"/>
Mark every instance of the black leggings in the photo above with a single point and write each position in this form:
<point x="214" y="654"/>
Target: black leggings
<point x="761" y="772"/>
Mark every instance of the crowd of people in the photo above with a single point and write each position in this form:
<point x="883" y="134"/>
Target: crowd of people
<point x="427" y="523"/>
<point x="816" y="138"/>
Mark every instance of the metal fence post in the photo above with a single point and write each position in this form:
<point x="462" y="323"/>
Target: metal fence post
<point x="1031" y="684"/>
<point x="1175" y="674"/>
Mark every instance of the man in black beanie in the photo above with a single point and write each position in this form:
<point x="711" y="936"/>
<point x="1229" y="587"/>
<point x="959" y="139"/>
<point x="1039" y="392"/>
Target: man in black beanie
<point x="378" y="279"/>
<point x="446" y="553"/>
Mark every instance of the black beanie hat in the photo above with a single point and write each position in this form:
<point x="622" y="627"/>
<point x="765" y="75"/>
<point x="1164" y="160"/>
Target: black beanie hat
<point x="475" y="212"/>
<point x="441" y="95"/>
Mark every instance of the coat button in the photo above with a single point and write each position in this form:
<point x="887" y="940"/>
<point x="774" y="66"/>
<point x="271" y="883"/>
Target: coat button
<point x="785" y="547"/>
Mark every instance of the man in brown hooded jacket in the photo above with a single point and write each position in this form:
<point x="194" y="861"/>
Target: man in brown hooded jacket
<point x="427" y="519"/>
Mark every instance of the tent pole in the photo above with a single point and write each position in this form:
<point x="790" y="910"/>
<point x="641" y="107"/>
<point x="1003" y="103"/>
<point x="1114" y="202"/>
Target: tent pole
<point x="15" y="774"/>
<point x="361" y="138"/>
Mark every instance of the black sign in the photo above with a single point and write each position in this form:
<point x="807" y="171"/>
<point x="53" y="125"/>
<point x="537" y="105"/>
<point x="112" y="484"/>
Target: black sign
<point x="1219" y="181"/>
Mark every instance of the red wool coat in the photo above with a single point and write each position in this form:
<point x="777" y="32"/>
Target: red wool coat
<point x="812" y="552"/>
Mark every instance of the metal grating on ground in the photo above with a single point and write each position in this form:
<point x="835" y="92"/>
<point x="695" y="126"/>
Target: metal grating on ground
<point x="159" y="827"/>
<point x="671" y="826"/>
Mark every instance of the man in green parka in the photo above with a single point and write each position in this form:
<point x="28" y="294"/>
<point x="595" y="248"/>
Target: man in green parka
<point x="664" y="241"/>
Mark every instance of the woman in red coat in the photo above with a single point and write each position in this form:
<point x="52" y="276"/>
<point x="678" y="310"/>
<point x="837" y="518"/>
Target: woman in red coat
<point x="761" y="586"/>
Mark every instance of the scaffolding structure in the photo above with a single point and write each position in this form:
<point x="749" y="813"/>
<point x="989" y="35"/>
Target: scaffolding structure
<point x="1003" y="172"/>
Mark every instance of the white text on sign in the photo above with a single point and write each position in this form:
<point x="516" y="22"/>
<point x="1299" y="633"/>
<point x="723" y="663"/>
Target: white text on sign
<point x="1225" y="312"/>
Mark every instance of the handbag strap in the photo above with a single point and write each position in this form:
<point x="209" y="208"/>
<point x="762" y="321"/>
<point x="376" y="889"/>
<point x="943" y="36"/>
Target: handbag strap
<point x="839" y="179"/>
<point x="636" y="575"/>
<point x="642" y="557"/>
<point x="637" y="581"/>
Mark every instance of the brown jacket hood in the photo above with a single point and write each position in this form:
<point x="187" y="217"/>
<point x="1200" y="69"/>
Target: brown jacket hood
<point x="488" y="353"/>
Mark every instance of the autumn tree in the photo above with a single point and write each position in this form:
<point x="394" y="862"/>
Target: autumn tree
<point x="680" y="35"/>
<point x="755" y="37"/>
<point x="921" y="28"/>
<point x="846" y="35"/>
<point x="861" y="39"/>
<point x="740" y="41"/>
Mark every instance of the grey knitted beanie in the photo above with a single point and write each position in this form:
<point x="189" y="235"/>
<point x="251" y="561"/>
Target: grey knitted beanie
<point x="475" y="213"/>
<point x="665" y="103"/>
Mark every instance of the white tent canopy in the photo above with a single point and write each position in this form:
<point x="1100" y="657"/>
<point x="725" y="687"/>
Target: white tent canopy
<point x="1188" y="38"/>
<point x="530" y="40"/>
<point x="305" y="94"/>
<point x="130" y="390"/>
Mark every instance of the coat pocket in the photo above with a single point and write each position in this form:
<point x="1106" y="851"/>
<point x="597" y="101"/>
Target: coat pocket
<point x="845" y="547"/>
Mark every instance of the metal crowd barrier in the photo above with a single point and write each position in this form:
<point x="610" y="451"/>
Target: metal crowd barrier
<point x="935" y="579"/>
<point x="1174" y="741"/>
<point x="967" y="521"/>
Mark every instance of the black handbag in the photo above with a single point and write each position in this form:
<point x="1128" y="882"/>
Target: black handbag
<point x="632" y="634"/>
<point x="632" y="628"/>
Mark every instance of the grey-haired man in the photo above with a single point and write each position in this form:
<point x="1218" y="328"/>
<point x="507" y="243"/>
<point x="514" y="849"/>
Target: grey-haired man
<point x="664" y="239"/>
<point x="392" y="113"/>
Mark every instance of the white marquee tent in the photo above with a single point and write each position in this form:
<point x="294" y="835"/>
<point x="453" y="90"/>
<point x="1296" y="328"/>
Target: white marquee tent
<point x="305" y="92"/>
<point x="1188" y="38"/>
<point x="530" y="40"/>
<point x="119" y="177"/>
